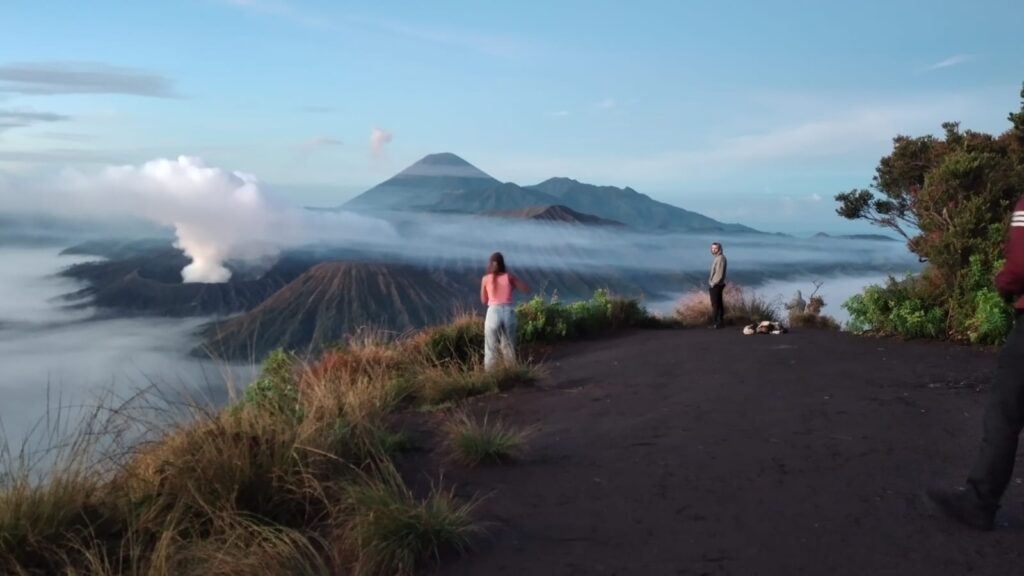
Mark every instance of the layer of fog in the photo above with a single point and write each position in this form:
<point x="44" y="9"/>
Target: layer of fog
<point x="217" y="216"/>
<point x="662" y="261"/>
<point x="58" y="360"/>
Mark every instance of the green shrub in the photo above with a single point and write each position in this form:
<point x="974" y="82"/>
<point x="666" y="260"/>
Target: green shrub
<point x="276" y="389"/>
<point x="900" y="308"/>
<point x="549" y="321"/>
<point x="992" y="319"/>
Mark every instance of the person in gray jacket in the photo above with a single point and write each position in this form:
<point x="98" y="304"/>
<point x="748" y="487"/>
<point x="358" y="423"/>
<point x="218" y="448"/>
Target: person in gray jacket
<point x="716" y="285"/>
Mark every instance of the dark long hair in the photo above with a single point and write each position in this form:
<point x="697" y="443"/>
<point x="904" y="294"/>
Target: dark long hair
<point x="496" y="265"/>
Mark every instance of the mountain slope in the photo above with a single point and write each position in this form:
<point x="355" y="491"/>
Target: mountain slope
<point x="335" y="299"/>
<point x="557" y="213"/>
<point x="631" y="207"/>
<point x="500" y="198"/>
<point x="147" y="280"/>
<point x="423" y="184"/>
<point x="876" y="237"/>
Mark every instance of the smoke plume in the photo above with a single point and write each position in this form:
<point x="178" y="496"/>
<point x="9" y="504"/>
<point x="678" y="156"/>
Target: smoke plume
<point x="378" y="139"/>
<point x="217" y="215"/>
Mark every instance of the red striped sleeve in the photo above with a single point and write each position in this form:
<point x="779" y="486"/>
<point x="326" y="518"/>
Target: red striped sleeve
<point x="1010" y="280"/>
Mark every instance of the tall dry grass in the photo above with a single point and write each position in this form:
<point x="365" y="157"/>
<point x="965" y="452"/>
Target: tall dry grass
<point x="742" y="306"/>
<point x="294" y="477"/>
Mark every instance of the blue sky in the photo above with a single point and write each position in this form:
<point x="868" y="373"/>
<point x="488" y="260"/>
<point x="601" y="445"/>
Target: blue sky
<point x="757" y="112"/>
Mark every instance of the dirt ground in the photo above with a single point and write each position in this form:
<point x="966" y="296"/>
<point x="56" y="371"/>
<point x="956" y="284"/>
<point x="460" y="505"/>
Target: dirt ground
<point x="709" y="452"/>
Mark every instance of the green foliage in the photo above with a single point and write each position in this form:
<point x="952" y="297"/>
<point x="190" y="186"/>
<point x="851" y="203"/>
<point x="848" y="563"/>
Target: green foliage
<point x="992" y="319"/>
<point x="548" y="321"/>
<point x="276" y="389"/>
<point x="951" y="198"/>
<point x="915" y="319"/>
<point x="896" y="309"/>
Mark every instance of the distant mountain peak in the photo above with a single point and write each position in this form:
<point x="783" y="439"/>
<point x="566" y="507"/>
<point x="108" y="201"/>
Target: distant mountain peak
<point x="424" y="183"/>
<point x="444" y="164"/>
<point x="560" y="180"/>
<point x="443" y="158"/>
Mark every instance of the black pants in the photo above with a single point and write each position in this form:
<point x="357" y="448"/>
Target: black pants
<point x="717" y="305"/>
<point x="1004" y="419"/>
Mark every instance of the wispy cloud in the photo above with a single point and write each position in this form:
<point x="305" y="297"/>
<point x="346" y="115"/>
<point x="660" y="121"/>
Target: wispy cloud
<point x="65" y="136"/>
<point x="606" y="104"/>
<point x="48" y="78"/>
<point x="559" y="113"/>
<point x="857" y="131"/>
<point x="485" y="43"/>
<point x="954" y="60"/>
<point x="378" y="140"/>
<point x="25" y="118"/>
<point x="60" y="156"/>
<point x="321" y="142"/>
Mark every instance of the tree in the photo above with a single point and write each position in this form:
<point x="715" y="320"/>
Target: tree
<point x="929" y="190"/>
<point x="951" y="199"/>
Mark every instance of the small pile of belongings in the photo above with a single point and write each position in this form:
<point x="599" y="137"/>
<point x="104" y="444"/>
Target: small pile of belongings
<point x="765" y="327"/>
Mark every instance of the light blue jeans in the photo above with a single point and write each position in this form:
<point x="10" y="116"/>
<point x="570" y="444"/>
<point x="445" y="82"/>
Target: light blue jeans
<point x="499" y="334"/>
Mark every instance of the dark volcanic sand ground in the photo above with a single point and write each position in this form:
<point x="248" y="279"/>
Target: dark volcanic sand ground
<point x="710" y="452"/>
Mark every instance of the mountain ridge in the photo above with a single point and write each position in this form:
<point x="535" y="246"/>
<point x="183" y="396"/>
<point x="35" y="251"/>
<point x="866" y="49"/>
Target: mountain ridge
<point x="445" y="182"/>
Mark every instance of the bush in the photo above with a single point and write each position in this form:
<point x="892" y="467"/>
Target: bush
<point x="741" y="307"/>
<point x="992" y="319"/>
<point x="548" y="321"/>
<point x="808" y="314"/>
<point x="811" y="320"/>
<point x="276" y="388"/>
<point x="900" y="308"/>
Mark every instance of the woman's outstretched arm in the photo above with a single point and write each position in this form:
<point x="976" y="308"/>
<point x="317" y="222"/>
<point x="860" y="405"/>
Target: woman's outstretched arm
<point x="517" y="282"/>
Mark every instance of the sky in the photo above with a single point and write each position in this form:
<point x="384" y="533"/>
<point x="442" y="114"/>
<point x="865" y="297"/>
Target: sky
<point x="747" y="111"/>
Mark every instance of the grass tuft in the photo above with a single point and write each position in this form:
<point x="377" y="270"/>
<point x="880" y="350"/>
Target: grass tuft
<point x="474" y="442"/>
<point x="394" y="533"/>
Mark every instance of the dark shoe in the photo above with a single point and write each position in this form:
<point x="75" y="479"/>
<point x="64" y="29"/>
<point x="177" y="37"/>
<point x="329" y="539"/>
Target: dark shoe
<point x="961" y="506"/>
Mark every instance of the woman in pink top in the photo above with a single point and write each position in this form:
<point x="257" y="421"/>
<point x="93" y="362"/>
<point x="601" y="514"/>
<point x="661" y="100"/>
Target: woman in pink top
<point x="500" y="324"/>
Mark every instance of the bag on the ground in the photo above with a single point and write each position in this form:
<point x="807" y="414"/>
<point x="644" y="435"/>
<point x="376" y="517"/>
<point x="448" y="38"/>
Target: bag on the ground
<point x="765" y="327"/>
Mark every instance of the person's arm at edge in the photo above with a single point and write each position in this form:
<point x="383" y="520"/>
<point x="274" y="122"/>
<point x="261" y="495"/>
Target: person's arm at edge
<point x="483" y="290"/>
<point x="1010" y="280"/>
<point x="519" y="284"/>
